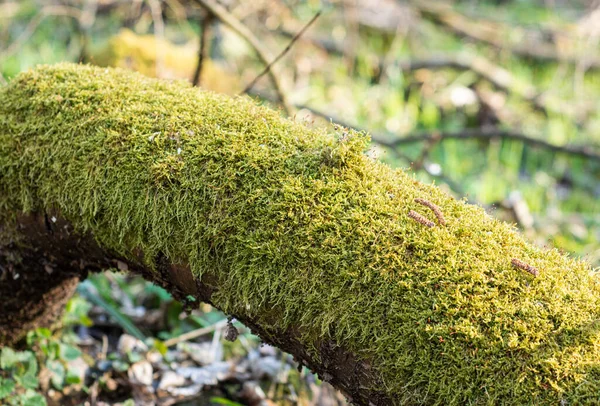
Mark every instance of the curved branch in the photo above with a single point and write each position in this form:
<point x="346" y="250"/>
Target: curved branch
<point x="295" y="232"/>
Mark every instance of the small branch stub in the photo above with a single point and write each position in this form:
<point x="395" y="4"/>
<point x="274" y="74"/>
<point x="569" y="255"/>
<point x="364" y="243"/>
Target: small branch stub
<point x="419" y="218"/>
<point x="435" y="209"/>
<point x="522" y="265"/>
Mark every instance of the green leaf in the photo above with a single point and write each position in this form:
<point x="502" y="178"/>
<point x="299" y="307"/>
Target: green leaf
<point x="162" y="294"/>
<point x="86" y="290"/>
<point x="134" y="357"/>
<point x="224" y="401"/>
<point x="32" y="398"/>
<point x="76" y="312"/>
<point x="73" y="376"/>
<point x="50" y="348"/>
<point x="69" y="352"/>
<point x="85" y="321"/>
<point x="58" y="373"/>
<point x="9" y="357"/>
<point x="120" y="366"/>
<point x="6" y="387"/>
<point x="29" y="381"/>
<point x="43" y="332"/>
<point x="32" y="365"/>
<point x="160" y="346"/>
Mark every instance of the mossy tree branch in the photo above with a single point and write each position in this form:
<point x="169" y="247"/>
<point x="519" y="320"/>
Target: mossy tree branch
<point x="321" y="251"/>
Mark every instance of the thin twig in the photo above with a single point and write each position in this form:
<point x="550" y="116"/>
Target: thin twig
<point x="452" y="184"/>
<point x="195" y="333"/>
<point x="466" y="133"/>
<point x="392" y="141"/>
<point x="282" y="53"/>
<point x="204" y="43"/>
<point x="491" y="133"/>
<point x="485" y="69"/>
<point x="228" y="19"/>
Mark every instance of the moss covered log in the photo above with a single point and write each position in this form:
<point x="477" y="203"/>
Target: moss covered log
<point x="390" y="289"/>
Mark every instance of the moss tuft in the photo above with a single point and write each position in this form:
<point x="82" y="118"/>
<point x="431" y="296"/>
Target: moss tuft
<point x="299" y="224"/>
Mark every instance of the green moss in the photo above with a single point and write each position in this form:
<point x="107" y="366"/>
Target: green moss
<point x="299" y="224"/>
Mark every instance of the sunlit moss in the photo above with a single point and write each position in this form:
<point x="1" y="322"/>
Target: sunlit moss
<point x="302" y="229"/>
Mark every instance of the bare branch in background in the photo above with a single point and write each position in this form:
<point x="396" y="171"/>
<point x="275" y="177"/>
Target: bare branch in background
<point x="490" y="133"/>
<point x="442" y="13"/>
<point x="203" y="50"/>
<point x="496" y="75"/>
<point x="482" y="67"/>
<point x="431" y="138"/>
<point x="587" y="152"/>
<point x="228" y="19"/>
<point x="282" y="53"/>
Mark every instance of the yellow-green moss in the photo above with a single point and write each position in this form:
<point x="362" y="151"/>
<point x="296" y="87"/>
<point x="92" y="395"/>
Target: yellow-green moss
<point x="299" y="224"/>
<point x="141" y="53"/>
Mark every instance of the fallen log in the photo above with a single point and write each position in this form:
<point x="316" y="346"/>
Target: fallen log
<point x="320" y="250"/>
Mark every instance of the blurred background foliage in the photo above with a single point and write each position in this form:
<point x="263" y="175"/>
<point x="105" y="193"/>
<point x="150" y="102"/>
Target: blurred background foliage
<point x="495" y="101"/>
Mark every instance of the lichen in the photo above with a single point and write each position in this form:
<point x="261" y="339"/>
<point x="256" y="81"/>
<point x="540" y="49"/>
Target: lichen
<point x="302" y="229"/>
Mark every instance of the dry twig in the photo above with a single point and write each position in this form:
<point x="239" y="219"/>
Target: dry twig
<point x="195" y="333"/>
<point x="490" y="133"/>
<point x="204" y="42"/>
<point x="282" y="53"/>
<point x="84" y="26"/>
<point x="392" y="141"/>
<point x="228" y="19"/>
<point x="443" y="13"/>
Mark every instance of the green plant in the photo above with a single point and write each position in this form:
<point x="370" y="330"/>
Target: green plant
<point x="19" y="370"/>
<point x="18" y="378"/>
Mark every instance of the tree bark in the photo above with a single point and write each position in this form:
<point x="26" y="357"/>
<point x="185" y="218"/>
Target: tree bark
<point x="390" y="290"/>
